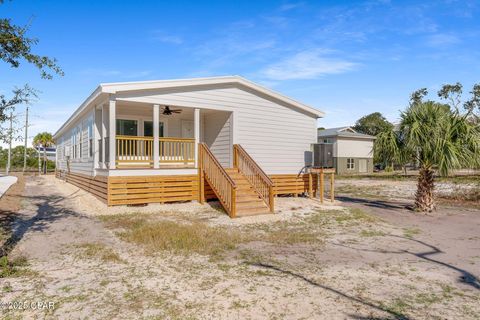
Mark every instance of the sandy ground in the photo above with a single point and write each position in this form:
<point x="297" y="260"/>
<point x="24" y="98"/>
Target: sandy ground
<point x="403" y="266"/>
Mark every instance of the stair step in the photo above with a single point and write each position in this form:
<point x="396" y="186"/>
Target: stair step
<point x="248" y="196"/>
<point x="252" y="212"/>
<point x="250" y="203"/>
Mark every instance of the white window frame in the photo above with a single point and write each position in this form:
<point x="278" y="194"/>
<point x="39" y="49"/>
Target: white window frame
<point x="90" y="138"/>
<point x="79" y="141"/>
<point x="350" y="164"/>
<point x="73" y="142"/>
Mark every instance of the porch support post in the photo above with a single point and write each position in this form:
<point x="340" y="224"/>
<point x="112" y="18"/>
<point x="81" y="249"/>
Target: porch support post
<point x="196" y="124"/>
<point x="103" y="135"/>
<point x="156" y="139"/>
<point x="112" y="155"/>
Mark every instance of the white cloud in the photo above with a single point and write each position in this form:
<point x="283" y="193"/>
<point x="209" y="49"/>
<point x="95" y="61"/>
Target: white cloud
<point x="307" y="65"/>
<point x="162" y="36"/>
<point x="290" y="6"/>
<point x="170" y="39"/>
<point x="442" y="40"/>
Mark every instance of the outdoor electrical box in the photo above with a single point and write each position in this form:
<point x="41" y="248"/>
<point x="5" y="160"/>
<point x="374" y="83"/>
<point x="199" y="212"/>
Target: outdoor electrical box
<point x="323" y="155"/>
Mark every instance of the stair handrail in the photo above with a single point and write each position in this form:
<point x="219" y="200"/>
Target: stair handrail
<point x="219" y="180"/>
<point x="260" y="181"/>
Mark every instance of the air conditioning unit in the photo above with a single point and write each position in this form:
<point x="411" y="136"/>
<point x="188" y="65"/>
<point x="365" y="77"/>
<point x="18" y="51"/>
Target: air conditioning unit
<point x="323" y="155"/>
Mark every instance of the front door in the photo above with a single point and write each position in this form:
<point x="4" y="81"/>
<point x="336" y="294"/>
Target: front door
<point x="187" y="129"/>
<point x="362" y="165"/>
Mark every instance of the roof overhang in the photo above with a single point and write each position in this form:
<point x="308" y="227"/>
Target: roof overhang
<point x="105" y="89"/>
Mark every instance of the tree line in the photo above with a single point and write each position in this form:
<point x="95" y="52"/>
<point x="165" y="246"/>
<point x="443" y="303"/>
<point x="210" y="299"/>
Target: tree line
<point x="439" y="136"/>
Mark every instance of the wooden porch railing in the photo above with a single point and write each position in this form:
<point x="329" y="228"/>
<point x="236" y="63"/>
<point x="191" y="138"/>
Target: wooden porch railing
<point x="177" y="150"/>
<point x="254" y="174"/>
<point x="221" y="183"/>
<point x="134" y="149"/>
<point x="138" y="150"/>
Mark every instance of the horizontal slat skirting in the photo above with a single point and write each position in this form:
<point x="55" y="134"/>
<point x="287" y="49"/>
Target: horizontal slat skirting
<point x="97" y="186"/>
<point x="140" y="179"/>
<point x="292" y="183"/>
<point x="151" y="189"/>
<point x="150" y="200"/>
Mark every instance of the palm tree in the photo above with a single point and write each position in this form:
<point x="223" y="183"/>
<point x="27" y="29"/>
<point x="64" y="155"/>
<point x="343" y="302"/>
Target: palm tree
<point x="438" y="138"/>
<point x="43" y="140"/>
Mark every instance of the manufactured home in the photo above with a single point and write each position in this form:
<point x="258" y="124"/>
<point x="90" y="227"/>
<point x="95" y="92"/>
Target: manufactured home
<point x="352" y="151"/>
<point x="188" y="139"/>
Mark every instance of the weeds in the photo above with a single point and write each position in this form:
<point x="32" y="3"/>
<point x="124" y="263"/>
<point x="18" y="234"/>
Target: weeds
<point x="97" y="250"/>
<point x="410" y="232"/>
<point x="372" y="233"/>
<point x="355" y="214"/>
<point x="14" y="267"/>
<point x="176" y="237"/>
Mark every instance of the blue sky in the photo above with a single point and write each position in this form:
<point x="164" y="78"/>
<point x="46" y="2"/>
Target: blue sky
<point x="346" y="58"/>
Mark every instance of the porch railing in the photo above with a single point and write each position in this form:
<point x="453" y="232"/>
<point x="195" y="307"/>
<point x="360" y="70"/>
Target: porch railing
<point x="133" y="149"/>
<point x="137" y="151"/>
<point x="177" y="150"/>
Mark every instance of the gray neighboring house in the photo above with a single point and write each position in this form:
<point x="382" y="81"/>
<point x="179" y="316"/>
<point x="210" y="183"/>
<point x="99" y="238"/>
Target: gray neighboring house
<point x="352" y="151"/>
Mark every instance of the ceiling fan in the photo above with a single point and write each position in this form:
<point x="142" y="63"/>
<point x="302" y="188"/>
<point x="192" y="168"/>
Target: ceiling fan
<point x="167" y="111"/>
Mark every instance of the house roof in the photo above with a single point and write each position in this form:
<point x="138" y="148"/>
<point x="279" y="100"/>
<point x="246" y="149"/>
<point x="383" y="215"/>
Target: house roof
<point x="105" y="89"/>
<point x="346" y="132"/>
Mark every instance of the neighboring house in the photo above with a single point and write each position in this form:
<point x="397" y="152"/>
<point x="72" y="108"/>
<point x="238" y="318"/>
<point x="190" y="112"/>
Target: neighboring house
<point x="352" y="151"/>
<point x="50" y="152"/>
<point x="190" y="139"/>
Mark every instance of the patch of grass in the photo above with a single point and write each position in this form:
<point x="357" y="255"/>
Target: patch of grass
<point x="176" y="237"/>
<point x="66" y="289"/>
<point x="410" y="232"/>
<point x="7" y="287"/>
<point x="355" y="214"/>
<point x="397" y="306"/>
<point x="286" y="236"/>
<point x="372" y="192"/>
<point x="372" y="233"/>
<point x="13" y="267"/>
<point x="99" y="251"/>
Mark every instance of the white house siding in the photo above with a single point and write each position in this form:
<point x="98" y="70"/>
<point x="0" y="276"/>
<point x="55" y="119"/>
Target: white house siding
<point x="83" y="165"/>
<point x="354" y="148"/>
<point x="276" y="136"/>
<point x="217" y="135"/>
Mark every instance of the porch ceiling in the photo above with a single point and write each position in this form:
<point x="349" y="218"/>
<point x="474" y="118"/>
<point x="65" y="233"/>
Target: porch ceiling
<point x="146" y="110"/>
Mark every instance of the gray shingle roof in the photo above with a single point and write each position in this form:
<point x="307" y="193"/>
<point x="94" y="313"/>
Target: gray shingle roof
<point x="342" y="132"/>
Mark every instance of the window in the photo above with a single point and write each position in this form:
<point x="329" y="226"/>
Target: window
<point x="79" y="142"/>
<point x="90" y="138"/>
<point x="327" y="140"/>
<point x="350" y="163"/>
<point x="148" y="129"/>
<point x="126" y="127"/>
<point x="73" y="145"/>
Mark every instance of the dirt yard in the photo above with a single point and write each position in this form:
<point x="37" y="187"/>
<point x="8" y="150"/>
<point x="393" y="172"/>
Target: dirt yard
<point x="366" y="257"/>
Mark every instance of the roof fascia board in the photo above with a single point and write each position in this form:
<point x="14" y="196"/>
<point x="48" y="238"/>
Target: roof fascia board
<point x="232" y="80"/>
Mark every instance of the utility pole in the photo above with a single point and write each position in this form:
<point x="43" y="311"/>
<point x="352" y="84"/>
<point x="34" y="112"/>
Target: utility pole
<point x="10" y="133"/>
<point x="26" y="137"/>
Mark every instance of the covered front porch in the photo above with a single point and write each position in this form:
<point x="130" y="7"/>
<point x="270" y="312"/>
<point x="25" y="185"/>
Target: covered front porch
<point x="136" y="136"/>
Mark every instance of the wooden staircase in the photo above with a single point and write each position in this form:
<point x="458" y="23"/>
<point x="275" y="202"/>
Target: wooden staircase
<point x="243" y="190"/>
<point x="248" y="201"/>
